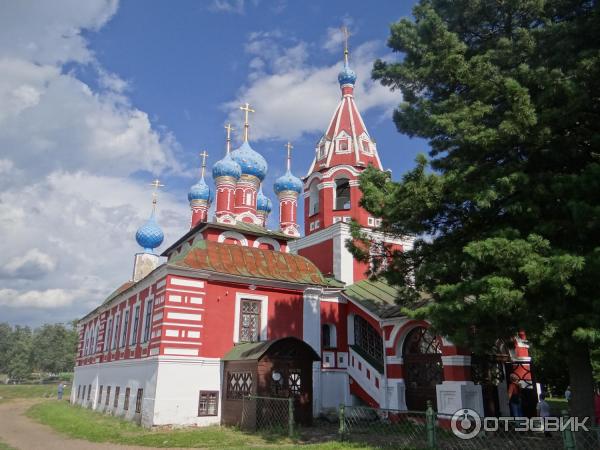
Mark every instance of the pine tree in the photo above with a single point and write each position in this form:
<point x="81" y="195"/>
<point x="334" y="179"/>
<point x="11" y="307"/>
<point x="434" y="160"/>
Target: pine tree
<point x="507" y="206"/>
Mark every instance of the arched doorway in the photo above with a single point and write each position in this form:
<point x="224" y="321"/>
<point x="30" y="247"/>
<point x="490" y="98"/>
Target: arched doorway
<point x="423" y="370"/>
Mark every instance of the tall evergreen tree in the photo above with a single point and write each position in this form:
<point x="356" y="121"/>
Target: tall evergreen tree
<point x="507" y="207"/>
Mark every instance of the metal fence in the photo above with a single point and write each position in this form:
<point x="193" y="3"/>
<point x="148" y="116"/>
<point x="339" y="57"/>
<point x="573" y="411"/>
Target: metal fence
<point x="417" y="429"/>
<point x="268" y="414"/>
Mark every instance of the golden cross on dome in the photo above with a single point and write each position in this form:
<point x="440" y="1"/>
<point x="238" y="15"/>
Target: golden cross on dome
<point x="229" y="129"/>
<point x="246" y="108"/>
<point x="203" y="155"/>
<point x="289" y="147"/>
<point x="346" y="36"/>
<point x="155" y="184"/>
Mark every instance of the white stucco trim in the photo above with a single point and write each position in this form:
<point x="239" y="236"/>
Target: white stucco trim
<point x="233" y="235"/>
<point x="264" y="314"/>
<point x="267" y="240"/>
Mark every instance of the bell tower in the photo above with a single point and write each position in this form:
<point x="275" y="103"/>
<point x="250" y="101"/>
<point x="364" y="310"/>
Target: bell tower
<point x="331" y="192"/>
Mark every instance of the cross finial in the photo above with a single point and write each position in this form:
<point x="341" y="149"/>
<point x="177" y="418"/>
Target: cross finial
<point x="203" y="155"/>
<point x="155" y="184"/>
<point x="229" y="129"/>
<point x="289" y="147"/>
<point x="246" y="108"/>
<point x="346" y="36"/>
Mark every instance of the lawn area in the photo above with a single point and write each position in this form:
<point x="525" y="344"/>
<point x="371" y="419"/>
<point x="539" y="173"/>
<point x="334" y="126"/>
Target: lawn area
<point x="4" y="446"/>
<point x="11" y="391"/>
<point x="557" y="404"/>
<point x="96" y="427"/>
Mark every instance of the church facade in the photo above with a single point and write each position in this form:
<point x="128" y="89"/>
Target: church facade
<point x="155" y="350"/>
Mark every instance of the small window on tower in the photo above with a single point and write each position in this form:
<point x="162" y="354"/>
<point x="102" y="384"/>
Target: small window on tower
<point x="366" y="146"/>
<point x="321" y="151"/>
<point x="343" y="146"/>
<point x="248" y="198"/>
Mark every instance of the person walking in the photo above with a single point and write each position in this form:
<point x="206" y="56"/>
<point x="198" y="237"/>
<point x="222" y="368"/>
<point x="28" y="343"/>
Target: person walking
<point x="543" y="411"/>
<point x="514" y="396"/>
<point x="60" y="391"/>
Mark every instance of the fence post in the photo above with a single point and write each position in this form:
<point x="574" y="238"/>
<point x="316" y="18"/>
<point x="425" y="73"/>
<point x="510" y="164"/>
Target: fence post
<point x="291" y="416"/>
<point x="430" y="421"/>
<point x="342" y="417"/>
<point x="567" y="434"/>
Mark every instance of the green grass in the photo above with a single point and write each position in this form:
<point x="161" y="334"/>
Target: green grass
<point x="557" y="404"/>
<point x="96" y="427"/>
<point x="10" y="391"/>
<point x="4" y="446"/>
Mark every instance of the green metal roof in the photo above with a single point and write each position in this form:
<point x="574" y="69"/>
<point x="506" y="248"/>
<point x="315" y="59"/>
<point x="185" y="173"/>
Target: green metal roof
<point x="377" y="296"/>
<point x="255" y="350"/>
<point x="333" y="282"/>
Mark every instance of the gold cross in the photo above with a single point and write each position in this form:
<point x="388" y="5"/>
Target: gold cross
<point x="156" y="184"/>
<point x="246" y="108"/>
<point x="346" y="36"/>
<point x="203" y="155"/>
<point x="229" y="129"/>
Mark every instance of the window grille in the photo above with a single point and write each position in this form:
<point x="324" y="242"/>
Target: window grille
<point x="208" y="403"/>
<point x="138" y="400"/>
<point x="107" y="396"/>
<point x="126" y="402"/>
<point x="250" y="321"/>
<point x="367" y="339"/>
<point x="295" y="382"/>
<point x="239" y="385"/>
<point x="117" y="392"/>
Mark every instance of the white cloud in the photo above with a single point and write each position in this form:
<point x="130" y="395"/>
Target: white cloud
<point x="69" y="199"/>
<point x="228" y="6"/>
<point x="47" y="299"/>
<point x="33" y="264"/>
<point x="293" y="97"/>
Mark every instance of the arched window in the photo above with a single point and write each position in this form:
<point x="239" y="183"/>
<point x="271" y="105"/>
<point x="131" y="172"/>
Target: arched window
<point x="369" y="342"/>
<point x="265" y="246"/>
<point x="342" y="193"/>
<point x="313" y="199"/>
<point x="231" y="241"/>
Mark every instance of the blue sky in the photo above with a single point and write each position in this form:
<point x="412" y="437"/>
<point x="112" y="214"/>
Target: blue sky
<point x="98" y="97"/>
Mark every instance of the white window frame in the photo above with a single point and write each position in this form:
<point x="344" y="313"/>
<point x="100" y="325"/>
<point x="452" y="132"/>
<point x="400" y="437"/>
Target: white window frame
<point x="264" y="314"/>
<point x="134" y="328"/>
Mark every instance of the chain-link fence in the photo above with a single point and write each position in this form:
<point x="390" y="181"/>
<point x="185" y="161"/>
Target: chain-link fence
<point x="268" y="414"/>
<point x="384" y="426"/>
<point x="416" y="429"/>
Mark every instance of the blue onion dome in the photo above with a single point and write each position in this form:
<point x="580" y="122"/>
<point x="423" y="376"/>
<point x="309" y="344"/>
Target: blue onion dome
<point x="251" y="162"/>
<point x="288" y="182"/>
<point x="200" y="191"/>
<point x="263" y="203"/>
<point x="226" y="167"/>
<point x="149" y="235"/>
<point x="346" y="75"/>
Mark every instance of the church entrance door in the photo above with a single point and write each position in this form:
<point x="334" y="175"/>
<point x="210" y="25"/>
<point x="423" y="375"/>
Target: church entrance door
<point x="422" y="354"/>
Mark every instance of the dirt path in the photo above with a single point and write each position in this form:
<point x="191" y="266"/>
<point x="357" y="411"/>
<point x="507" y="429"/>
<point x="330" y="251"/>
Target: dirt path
<point x="21" y="432"/>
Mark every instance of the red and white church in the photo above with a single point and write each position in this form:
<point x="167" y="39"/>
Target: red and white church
<point x="183" y="340"/>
